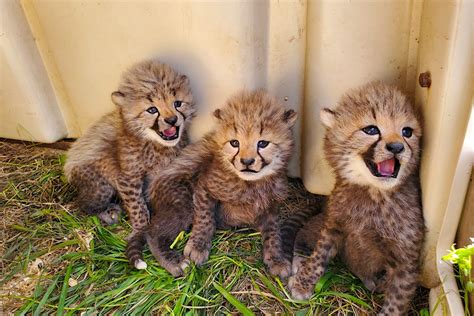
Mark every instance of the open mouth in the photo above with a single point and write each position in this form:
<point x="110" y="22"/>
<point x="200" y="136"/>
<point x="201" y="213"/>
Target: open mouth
<point x="385" y="169"/>
<point x="170" y="133"/>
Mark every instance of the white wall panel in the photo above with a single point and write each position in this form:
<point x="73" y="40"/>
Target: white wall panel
<point x="223" y="46"/>
<point x="57" y="80"/>
<point x="28" y="105"/>
<point x="350" y="43"/>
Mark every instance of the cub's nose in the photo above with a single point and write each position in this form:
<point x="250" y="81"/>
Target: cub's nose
<point x="171" y="120"/>
<point x="395" y="148"/>
<point x="247" y="161"/>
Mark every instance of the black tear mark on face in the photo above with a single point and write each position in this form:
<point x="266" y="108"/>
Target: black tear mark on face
<point x="369" y="154"/>
<point x="182" y="114"/>
<point x="236" y="154"/>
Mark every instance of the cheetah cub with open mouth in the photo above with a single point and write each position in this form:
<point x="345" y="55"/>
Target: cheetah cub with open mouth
<point x="234" y="176"/>
<point x="120" y="153"/>
<point x="373" y="218"/>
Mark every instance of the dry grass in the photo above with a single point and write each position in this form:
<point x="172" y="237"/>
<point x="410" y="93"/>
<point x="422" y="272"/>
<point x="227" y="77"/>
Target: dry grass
<point x="56" y="260"/>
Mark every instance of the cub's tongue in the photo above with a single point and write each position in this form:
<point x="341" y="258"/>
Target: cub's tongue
<point x="386" y="167"/>
<point x="170" y="131"/>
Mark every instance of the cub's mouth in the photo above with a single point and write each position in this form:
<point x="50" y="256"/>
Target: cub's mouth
<point x="168" y="134"/>
<point x="385" y="169"/>
<point x="248" y="170"/>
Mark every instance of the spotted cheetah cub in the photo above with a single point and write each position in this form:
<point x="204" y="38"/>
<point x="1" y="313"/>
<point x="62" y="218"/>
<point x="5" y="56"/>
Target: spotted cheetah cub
<point x="373" y="218"/>
<point x="118" y="154"/>
<point x="238" y="176"/>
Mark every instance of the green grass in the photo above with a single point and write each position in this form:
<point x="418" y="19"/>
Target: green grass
<point x="55" y="260"/>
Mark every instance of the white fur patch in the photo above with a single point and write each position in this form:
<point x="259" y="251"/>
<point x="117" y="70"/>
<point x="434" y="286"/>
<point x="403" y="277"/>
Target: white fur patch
<point x="140" y="264"/>
<point x="250" y="176"/>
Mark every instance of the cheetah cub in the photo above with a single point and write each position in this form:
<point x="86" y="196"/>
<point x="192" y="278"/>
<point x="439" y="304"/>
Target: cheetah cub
<point x="116" y="157"/>
<point x="238" y="176"/>
<point x="373" y="218"/>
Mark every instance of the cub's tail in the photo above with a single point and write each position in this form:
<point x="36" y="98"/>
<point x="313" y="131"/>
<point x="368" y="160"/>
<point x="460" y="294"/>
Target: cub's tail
<point x="134" y="251"/>
<point x="171" y="207"/>
<point x="173" y="213"/>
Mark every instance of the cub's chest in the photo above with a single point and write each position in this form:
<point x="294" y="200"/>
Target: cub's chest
<point x="153" y="159"/>
<point x="229" y="191"/>
<point x="387" y="220"/>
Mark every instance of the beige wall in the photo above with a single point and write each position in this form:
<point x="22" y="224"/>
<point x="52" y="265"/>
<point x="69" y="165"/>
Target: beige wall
<point x="62" y="59"/>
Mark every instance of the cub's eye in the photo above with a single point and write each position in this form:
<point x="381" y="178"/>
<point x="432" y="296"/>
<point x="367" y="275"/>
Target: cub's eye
<point x="152" y="110"/>
<point x="177" y="104"/>
<point x="234" y="143"/>
<point x="262" y="143"/>
<point x="371" y="130"/>
<point x="407" y="132"/>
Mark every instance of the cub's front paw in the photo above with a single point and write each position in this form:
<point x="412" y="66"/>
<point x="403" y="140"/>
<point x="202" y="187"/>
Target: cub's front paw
<point x="178" y="269"/>
<point x="111" y="215"/>
<point x="297" y="262"/>
<point x="197" y="251"/>
<point x="300" y="290"/>
<point x="279" y="267"/>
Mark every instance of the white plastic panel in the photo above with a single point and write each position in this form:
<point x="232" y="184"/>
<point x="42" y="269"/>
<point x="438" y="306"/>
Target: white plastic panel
<point x="28" y="107"/>
<point x="446" y="52"/>
<point x="350" y="43"/>
<point x="222" y="46"/>
<point x="307" y="53"/>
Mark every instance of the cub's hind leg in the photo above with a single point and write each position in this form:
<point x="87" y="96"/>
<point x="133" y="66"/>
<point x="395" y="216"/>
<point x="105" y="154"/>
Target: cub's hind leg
<point x="301" y="284"/>
<point x="366" y="256"/>
<point x="96" y="196"/>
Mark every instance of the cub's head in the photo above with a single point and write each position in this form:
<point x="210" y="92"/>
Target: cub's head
<point x="254" y="135"/>
<point x="155" y="102"/>
<point x="373" y="136"/>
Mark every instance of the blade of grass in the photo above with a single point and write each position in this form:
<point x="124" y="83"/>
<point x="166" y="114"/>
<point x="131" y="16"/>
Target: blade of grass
<point x="347" y="296"/>
<point x="45" y="297"/>
<point x="231" y="299"/>
<point x="179" y="304"/>
<point x="62" y="297"/>
<point x="177" y="239"/>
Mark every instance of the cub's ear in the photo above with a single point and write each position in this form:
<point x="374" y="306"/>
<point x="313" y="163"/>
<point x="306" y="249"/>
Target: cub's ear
<point x="184" y="80"/>
<point x="328" y="117"/>
<point x="218" y="114"/>
<point x="289" y="117"/>
<point x="118" y="98"/>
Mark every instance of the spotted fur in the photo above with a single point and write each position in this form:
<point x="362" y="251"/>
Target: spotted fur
<point x="374" y="218"/>
<point x="236" y="176"/>
<point x="127" y="147"/>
